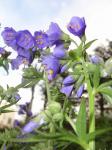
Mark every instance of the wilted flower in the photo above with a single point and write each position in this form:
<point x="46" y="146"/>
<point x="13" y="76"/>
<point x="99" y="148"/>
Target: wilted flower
<point x="54" y="33"/>
<point x="9" y="36"/>
<point x="25" y="39"/>
<point x="77" y="26"/>
<point x="80" y="91"/>
<point x="41" y="39"/>
<point x="52" y="65"/>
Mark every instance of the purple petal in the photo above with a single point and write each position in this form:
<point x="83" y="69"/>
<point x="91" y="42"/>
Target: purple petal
<point x="9" y="36"/>
<point x="77" y="26"/>
<point x="59" y="51"/>
<point x="54" y="33"/>
<point x="80" y="91"/>
<point x="25" y="39"/>
<point x="41" y="39"/>
<point x="68" y="80"/>
<point x="67" y="90"/>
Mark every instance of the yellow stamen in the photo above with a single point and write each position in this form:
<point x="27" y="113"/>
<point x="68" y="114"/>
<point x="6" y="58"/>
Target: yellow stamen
<point x="50" y="72"/>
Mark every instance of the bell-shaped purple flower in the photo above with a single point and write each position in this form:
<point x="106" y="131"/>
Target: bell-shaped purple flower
<point x="77" y="26"/>
<point x="68" y="80"/>
<point x="63" y="68"/>
<point x="41" y="39"/>
<point x="32" y="125"/>
<point x="52" y="65"/>
<point x="59" y="51"/>
<point x="80" y="91"/>
<point x="67" y="90"/>
<point x="54" y="33"/>
<point x="95" y="59"/>
<point x="68" y="85"/>
<point x="25" y="39"/>
<point x="9" y="36"/>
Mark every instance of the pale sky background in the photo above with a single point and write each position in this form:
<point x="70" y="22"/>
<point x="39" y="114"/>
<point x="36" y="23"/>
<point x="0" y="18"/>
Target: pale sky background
<point x="37" y="15"/>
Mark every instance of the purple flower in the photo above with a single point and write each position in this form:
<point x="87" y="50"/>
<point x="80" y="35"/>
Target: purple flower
<point x="77" y="26"/>
<point x="80" y="91"/>
<point x="15" y="63"/>
<point x="9" y="36"/>
<point x="2" y="50"/>
<point x="67" y="90"/>
<point x="54" y="33"/>
<point x="25" y="39"/>
<point x="16" y="123"/>
<point x="52" y="65"/>
<point x="24" y="57"/>
<point x="4" y="147"/>
<point x="31" y="125"/>
<point x="17" y="97"/>
<point x="95" y="59"/>
<point x="68" y="80"/>
<point x="41" y="39"/>
<point x="63" y="68"/>
<point x="59" y="51"/>
<point x="68" y="84"/>
<point x="27" y="54"/>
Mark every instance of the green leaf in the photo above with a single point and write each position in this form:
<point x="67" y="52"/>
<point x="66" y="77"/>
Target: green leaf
<point x="91" y="136"/>
<point x="76" y="54"/>
<point x="96" y="77"/>
<point x="107" y="98"/>
<point x="87" y="45"/>
<point x="81" y="121"/>
<point x="109" y="83"/>
<point x="105" y="90"/>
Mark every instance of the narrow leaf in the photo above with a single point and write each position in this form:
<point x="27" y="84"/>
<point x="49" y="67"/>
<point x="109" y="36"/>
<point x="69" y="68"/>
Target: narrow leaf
<point x="87" y="45"/>
<point x="81" y="121"/>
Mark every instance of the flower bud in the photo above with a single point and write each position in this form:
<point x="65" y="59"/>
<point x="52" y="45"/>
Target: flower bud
<point x="58" y="117"/>
<point x="54" y="107"/>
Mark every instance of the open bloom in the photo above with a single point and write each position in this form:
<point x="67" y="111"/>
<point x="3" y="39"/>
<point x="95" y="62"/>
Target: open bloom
<point x="9" y="36"/>
<point x="77" y="26"/>
<point x="41" y="39"/>
<point x="25" y="39"/>
<point x="24" y="57"/>
<point x="54" y="33"/>
<point x="52" y="65"/>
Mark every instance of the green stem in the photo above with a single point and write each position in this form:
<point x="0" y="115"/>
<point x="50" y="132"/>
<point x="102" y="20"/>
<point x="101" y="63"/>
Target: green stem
<point x="47" y="88"/>
<point x="50" y="142"/>
<point x="91" y="94"/>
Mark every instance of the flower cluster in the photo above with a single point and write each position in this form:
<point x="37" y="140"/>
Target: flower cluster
<point x="26" y="45"/>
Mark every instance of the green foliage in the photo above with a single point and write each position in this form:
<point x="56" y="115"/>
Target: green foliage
<point x="81" y="121"/>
